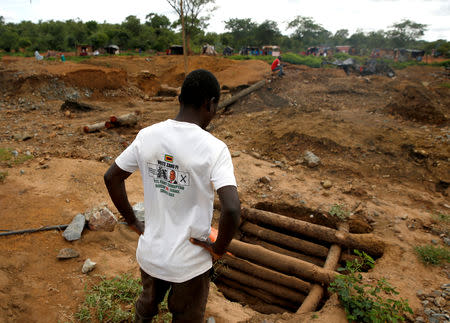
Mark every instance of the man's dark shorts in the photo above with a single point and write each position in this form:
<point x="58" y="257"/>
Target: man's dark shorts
<point x="187" y="301"/>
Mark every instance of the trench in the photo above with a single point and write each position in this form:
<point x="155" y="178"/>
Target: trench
<point x="281" y="260"/>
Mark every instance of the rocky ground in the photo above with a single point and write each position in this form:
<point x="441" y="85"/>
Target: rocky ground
<point x="383" y="146"/>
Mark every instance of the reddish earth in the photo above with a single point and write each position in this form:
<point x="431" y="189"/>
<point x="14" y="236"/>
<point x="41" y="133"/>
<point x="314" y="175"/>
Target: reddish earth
<point x="386" y="162"/>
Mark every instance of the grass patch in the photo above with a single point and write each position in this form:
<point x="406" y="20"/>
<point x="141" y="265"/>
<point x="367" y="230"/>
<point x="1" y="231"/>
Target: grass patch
<point x="433" y="255"/>
<point x="339" y="211"/>
<point x="367" y="302"/>
<point x="3" y="176"/>
<point x="112" y="300"/>
<point x="441" y="217"/>
<point x="7" y="158"/>
<point x="447" y="85"/>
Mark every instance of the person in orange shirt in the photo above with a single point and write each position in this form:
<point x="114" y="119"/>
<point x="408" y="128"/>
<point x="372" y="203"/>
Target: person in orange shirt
<point x="276" y="66"/>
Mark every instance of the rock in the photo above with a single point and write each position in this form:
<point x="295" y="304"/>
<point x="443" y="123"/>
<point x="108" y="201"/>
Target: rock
<point x="22" y="172"/>
<point x="441" y="316"/>
<point x="436" y="293"/>
<point x="88" y="266"/>
<point x="439" y="301"/>
<point x="445" y="286"/>
<point x="404" y="217"/>
<point x="420" y="319"/>
<point x="326" y="184"/>
<point x="139" y="211"/>
<point x="255" y="155"/>
<point x="102" y="220"/>
<point x="67" y="253"/>
<point x="434" y="241"/>
<point x="311" y="159"/>
<point x="75" y="228"/>
<point x="265" y="180"/>
<point x="235" y="154"/>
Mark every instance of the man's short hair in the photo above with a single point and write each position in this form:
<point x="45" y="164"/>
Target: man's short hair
<point x="199" y="86"/>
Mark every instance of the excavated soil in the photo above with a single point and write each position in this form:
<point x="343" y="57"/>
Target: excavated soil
<point x="383" y="144"/>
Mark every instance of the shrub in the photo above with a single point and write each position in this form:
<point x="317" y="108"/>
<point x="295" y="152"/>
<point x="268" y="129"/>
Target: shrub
<point x="339" y="211"/>
<point x="431" y="255"/>
<point x="362" y="301"/>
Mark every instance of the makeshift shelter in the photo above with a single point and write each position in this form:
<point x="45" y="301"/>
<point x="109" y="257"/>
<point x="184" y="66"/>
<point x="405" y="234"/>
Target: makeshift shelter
<point x="175" y="50"/>
<point x="250" y="50"/>
<point x="112" y="49"/>
<point x="227" y="51"/>
<point x="271" y="50"/>
<point x="208" y="50"/>
<point x="84" y="50"/>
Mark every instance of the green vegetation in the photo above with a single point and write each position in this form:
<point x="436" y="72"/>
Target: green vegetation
<point x="157" y="33"/>
<point x="112" y="300"/>
<point x="8" y="159"/>
<point x="433" y="255"/>
<point x="362" y="301"/>
<point x="442" y="217"/>
<point x="3" y="176"/>
<point x="447" y="85"/>
<point x="339" y="211"/>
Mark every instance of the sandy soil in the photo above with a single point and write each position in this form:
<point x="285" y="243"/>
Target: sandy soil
<point x="389" y="166"/>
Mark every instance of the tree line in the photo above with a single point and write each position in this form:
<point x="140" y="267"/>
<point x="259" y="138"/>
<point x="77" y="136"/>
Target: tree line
<point x="157" y="33"/>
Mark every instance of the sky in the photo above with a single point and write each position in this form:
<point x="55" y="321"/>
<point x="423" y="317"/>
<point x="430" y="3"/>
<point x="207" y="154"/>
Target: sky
<point x="368" y="15"/>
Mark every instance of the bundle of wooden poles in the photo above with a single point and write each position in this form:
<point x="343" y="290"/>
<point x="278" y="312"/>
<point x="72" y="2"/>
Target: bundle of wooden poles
<point x="285" y="264"/>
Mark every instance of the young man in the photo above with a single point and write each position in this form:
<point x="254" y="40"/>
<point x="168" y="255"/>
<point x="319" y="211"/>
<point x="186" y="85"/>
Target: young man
<point x="174" y="250"/>
<point x="276" y="66"/>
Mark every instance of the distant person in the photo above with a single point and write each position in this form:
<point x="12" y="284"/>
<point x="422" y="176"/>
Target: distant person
<point x="63" y="58"/>
<point x="276" y="66"/>
<point x="174" y="251"/>
<point x="38" y="56"/>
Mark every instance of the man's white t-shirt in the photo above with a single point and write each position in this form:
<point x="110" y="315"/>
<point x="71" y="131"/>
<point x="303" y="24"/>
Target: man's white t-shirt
<point x="181" y="164"/>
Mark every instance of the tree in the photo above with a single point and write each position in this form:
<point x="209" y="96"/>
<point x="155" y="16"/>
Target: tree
<point x="241" y="30"/>
<point x="191" y="11"/>
<point x="308" y="32"/>
<point x="267" y="33"/>
<point x="340" y="36"/>
<point x="99" y="39"/>
<point x="157" y="22"/>
<point x="406" y="33"/>
<point x="132" y="25"/>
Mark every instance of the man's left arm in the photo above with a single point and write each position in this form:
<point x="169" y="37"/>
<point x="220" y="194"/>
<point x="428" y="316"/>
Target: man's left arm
<point x="115" y="183"/>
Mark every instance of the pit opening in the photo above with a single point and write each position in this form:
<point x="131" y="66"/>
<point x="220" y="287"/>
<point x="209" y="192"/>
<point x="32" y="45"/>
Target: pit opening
<point x="281" y="252"/>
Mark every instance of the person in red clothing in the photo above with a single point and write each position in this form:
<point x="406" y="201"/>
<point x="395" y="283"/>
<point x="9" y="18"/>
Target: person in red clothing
<point x="276" y="66"/>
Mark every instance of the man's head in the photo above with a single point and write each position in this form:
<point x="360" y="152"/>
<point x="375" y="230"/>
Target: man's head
<point x="200" y="92"/>
<point x="279" y="57"/>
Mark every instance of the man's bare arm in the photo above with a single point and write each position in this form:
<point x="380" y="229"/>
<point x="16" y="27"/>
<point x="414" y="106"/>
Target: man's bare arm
<point x="228" y="222"/>
<point x="115" y="183"/>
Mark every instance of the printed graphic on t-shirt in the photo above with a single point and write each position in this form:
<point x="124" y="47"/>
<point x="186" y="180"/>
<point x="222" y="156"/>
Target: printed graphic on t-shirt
<point x="168" y="177"/>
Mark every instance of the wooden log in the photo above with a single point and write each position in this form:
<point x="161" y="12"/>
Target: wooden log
<point x="161" y="98"/>
<point x="261" y="295"/>
<point x="365" y="242"/>
<point x="317" y="291"/>
<point x="76" y="106"/>
<point x="166" y="90"/>
<point x="264" y="285"/>
<point x="282" y="263"/>
<point x="253" y="302"/>
<point x="241" y="94"/>
<point x="94" y="127"/>
<point x="266" y="274"/>
<point x="306" y="247"/>
<point x="127" y="120"/>
<point x="272" y="247"/>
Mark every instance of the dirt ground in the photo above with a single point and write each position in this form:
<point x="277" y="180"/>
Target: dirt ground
<point x="383" y="145"/>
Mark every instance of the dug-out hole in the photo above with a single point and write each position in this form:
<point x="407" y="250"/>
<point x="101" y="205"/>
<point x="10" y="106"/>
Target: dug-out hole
<point x="261" y="283"/>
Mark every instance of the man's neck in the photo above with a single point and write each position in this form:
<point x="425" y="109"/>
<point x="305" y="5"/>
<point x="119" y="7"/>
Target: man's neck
<point x="188" y="116"/>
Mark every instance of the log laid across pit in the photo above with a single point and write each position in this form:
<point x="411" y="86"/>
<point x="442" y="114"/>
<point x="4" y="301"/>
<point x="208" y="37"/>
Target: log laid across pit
<point x="255" y="303"/>
<point x="128" y="120"/>
<point x="314" y="260"/>
<point x="364" y="242"/>
<point x="267" y="286"/>
<point x="282" y="263"/>
<point x="266" y="274"/>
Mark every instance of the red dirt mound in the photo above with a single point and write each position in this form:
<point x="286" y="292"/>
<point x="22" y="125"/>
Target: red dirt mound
<point x="418" y="104"/>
